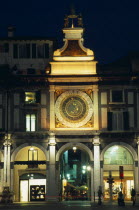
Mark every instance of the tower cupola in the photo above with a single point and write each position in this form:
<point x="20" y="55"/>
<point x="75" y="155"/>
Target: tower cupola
<point x="73" y="48"/>
<point x="73" y="58"/>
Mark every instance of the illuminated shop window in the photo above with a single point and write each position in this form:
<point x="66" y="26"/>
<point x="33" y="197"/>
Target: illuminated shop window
<point x="30" y="97"/>
<point x="117" y="155"/>
<point x="32" y="154"/>
<point x="30" y="122"/>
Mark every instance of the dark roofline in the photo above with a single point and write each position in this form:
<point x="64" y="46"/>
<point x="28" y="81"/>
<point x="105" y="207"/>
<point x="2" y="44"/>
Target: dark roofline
<point x="21" y="38"/>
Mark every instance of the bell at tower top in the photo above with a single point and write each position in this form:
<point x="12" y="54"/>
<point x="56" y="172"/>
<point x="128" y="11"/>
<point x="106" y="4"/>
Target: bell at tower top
<point x="73" y="21"/>
<point x="73" y="25"/>
<point x="73" y="58"/>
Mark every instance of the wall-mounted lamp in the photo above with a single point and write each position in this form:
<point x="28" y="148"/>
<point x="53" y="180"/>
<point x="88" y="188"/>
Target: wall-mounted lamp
<point x="74" y="149"/>
<point x="31" y="148"/>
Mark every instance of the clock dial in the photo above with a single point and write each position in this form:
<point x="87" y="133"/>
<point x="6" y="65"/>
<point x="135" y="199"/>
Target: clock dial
<point x="74" y="108"/>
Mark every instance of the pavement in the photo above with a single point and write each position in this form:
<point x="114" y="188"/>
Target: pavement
<point x="67" y="205"/>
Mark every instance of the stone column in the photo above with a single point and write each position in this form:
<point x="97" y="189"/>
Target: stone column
<point x="7" y="161"/>
<point x="92" y="181"/>
<point x="101" y="175"/>
<point x="5" y="164"/>
<point x="12" y="176"/>
<point x="96" y="120"/>
<point x="51" y="194"/>
<point x="58" y="181"/>
<point x="97" y="175"/>
<point x="136" y="175"/>
<point x="9" y="164"/>
<point x="52" y="108"/>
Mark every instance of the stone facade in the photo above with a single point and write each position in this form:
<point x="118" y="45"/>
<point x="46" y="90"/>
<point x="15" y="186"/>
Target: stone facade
<point x="75" y="102"/>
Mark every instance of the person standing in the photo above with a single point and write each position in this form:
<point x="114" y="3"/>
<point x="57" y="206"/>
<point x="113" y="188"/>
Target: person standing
<point x="133" y="196"/>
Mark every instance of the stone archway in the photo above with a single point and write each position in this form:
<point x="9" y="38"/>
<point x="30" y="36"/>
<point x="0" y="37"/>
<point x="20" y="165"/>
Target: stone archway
<point x="119" y="154"/>
<point x="88" y="176"/>
<point x="17" y="149"/>
<point x="29" y="159"/>
<point x="71" y="145"/>
<point x="127" y="146"/>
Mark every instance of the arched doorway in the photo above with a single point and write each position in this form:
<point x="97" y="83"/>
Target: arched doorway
<point x="29" y="171"/>
<point x="114" y="157"/>
<point x="75" y="175"/>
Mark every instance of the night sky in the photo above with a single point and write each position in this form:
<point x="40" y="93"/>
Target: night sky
<point x="111" y="26"/>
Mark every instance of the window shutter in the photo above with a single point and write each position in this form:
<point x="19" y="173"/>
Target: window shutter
<point x="6" y="47"/>
<point x="46" y="50"/>
<point x="15" y="51"/>
<point x="33" y="50"/>
<point x="109" y="121"/>
<point x="28" y="50"/>
<point x="38" y="96"/>
<point x="126" y="120"/>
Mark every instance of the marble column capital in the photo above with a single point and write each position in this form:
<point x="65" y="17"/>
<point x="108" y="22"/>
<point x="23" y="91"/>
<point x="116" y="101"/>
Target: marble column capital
<point x="7" y="142"/>
<point x="52" y="140"/>
<point x="96" y="140"/>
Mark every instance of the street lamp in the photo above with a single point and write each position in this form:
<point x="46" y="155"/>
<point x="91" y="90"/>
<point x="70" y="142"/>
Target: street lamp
<point x="68" y="176"/>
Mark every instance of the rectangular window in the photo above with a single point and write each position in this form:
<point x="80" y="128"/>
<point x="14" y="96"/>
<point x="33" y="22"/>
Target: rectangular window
<point x="33" y="50"/>
<point x="32" y="154"/>
<point x="117" y="96"/>
<point x="30" y="122"/>
<point x="46" y="50"/>
<point x="30" y="97"/>
<point x="117" y="121"/>
<point x="24" y="51"/>
<point x="40" y="51"/>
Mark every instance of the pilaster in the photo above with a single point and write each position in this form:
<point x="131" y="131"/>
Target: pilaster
<point x="7" y="157"/>
<point x="92" y="180"/>
<point x="97" y="175"/>
<point x="52" y="108"/>
<point x="95" y="92"/>
<point x="52" y="194"/>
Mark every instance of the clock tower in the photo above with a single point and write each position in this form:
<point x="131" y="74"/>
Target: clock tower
<point x="73" y="92"/>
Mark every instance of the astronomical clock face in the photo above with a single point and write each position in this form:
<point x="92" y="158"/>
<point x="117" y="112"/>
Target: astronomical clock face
<point x="74" y="108"/>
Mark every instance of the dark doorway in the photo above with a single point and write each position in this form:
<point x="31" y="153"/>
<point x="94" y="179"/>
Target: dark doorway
<point x="75" y="175"/>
